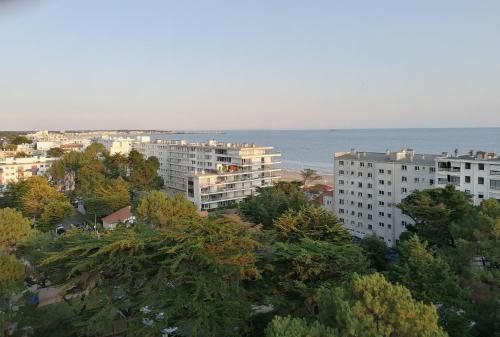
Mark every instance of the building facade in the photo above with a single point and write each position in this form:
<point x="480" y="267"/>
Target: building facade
<point x="13" y="170"/>
<point x="477" y="174"/>
<point x="121" y="145"/>
<point x="213" y="174"/>
<point x="369" y="185"/>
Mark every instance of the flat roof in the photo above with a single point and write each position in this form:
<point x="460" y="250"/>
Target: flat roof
<point x="408" y="157"/>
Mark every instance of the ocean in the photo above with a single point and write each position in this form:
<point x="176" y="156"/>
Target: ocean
<point x="315" y="148"/>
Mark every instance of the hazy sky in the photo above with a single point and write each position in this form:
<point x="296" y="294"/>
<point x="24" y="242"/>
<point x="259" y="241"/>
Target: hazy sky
<point x="208" y="64"/>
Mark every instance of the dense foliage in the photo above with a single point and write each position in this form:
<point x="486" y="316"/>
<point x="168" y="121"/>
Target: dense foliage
<point x="286" y="268"/>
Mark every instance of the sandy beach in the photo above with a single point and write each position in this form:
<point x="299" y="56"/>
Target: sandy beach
<point x="326" y="179"/>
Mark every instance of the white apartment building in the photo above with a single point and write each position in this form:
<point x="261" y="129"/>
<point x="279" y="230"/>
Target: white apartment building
<point x="16" y="169"/>
<point x="121" y="145"/>
<point x="369" y="185"/>
<point x="213" y="174"/>
<point x="475" y="173"/>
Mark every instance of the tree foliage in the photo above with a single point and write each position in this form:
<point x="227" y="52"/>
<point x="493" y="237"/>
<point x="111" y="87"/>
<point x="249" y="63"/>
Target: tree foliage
<point x="161" y="211"/>
<point x="271" y="202"/>
<point x="55" y="152"/>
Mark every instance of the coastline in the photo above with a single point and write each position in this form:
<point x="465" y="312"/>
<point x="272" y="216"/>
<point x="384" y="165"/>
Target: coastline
<point x="289" y="175"/>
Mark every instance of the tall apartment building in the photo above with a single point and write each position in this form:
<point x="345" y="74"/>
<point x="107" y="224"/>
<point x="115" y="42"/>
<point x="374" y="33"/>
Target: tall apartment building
<point x="369" y="185"/>
<point x="13" y="170"/>
<point x="213" y="174"/>
<point x="475" y="173"/>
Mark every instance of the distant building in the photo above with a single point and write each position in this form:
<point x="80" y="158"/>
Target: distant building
<point x="123" y="216"/>
<point x="121" y="145"/>
<point x="13" y="170"/>
<point x="213" y="174"/>
<point x="369" y="185"/>
<point x="325" y="199"/>
<point x="475" y="173"/>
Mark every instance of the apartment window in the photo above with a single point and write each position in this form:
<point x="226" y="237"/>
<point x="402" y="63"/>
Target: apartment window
<point x="361" y="164"/>
<point x="370" y="226"/>
<point x="341" y="210"/>
<point x="431" y="182"/>
<point x="370" y="175"/>
<point x="370" y="217"/>
<point x="480" y="196"/>
<point x="341" y="201"/>
<point x="494" y="184"/>
<point x="352" y="192"/>
<point x="432" y="169"/>
<point x="352" y="163"/>
<point x="389" y="172"/>
<point x="467" y="166"/>
<point x="404" y="223"/>
<point x="389" y="226"/>
<point x="341" y="162"/>
<point x="389" y="193"/>
<point x="360" y="174"/>
<point x="341" y="191"/>
<point x="341" y="182"/>
<point x="417" y="168"/>
<point x="360" y="194"/>
<point x="360" y="215"/>
<point x="380" y="213"/>
<point x="481" y="167"/>
<point x="480" y="180"/>
<point x="352" y="213"/>
<point x="381" y="224"/>
<point x="380" y="171"/>
<point x="381" y="203"/>
<point x="370" y="185"/>
<point x="352" y="182"/>
<point x="342" y="220"/>
<point x="370" y="165"/>
<point x="404" y="190"/>
<point x="369" y="206"/>
<point x="360" y="224"/>
<point x="467" y="179"/>
<point x="360" y="185"/>
<point x="417" y="180"/>
<point x="360" y="205"/>
<point x="381" y="182"/>
<point x="404" y="168"/>
<point x="370" y="196"/>
<point x="389" y="215"/>
<point x="467" y="191"/>
<point x="341" y="172"/>
<point x="403" y="179"/>
<point x="389" y="183"/>
<point x="381" y="193"/>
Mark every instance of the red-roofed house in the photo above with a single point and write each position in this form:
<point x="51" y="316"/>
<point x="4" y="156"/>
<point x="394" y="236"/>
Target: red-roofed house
<point x="325" y="199"/>
<point x="123" y="215"/>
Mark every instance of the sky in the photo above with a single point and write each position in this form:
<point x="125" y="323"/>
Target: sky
<point x="261" y="64"/>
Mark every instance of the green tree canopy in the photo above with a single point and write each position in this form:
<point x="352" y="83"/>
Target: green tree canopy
<point x="271" y="202"/>
<point x="162" y="211"/>
<point x="55" y="152"/>
<point x="435" y="213"/>
<point x="370" y="306"/>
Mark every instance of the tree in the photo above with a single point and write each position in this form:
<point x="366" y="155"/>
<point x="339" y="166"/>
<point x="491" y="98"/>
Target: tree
<point x="144" y="173"/>
<point x="37" y="193"/>
<point x="21" y="154"/>
<point x="163" y="212"/>
<point x="55" y="152"/>
<point x="14" y="228"/>
<point x="54" y="212"/>
<point x="430" y="279"/>
<point x="312" y="222"/>
<point x="370" y="306"/>
<point x="190" y="277"/>
<point x="116" y="165"/>
<point x="300" y="268"/>
<point x="435" y="213"/>
<point x="309" y="175"/>
<point x="18" y="140"/>
<point x="271" y="202"/>
<point x="115" y="193"/>
<point x="297" y="327"/>
<point x="376" y="251"/>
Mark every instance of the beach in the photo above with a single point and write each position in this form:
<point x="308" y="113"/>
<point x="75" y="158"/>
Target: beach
<point x="289" y="175"/>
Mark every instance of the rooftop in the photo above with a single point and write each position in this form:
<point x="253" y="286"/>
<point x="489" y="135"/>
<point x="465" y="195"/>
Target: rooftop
<point x="212" y="144"/>
<point x="402" y="156"/>
<point x="120" y="215"/>
<point x="472" y="155"/>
